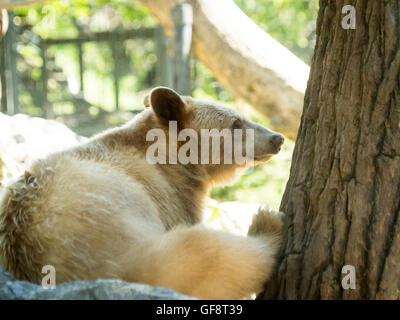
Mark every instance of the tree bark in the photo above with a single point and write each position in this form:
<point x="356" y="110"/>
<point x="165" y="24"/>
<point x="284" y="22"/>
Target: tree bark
<point x="342" y="200"/>
<point x="250" y="63"/>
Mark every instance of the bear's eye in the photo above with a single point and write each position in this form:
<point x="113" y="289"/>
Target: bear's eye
<point x="237" y="124"/>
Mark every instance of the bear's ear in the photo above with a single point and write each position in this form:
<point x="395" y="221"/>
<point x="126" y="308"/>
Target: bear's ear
<point x="146" y="101"/>
<point x="167" y="105"/>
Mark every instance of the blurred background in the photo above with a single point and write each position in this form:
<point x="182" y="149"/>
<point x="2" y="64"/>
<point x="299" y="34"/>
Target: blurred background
<point x="89" y="63"/>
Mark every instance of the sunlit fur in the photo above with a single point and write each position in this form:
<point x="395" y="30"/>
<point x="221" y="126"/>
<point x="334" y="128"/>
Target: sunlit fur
<point x="100" y="210"/>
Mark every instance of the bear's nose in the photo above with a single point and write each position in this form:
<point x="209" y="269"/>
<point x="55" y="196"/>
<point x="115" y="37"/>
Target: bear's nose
<point x="277" y="140"/>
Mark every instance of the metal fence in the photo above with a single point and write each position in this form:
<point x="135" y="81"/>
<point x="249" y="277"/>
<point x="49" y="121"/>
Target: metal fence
<point x="172" y="67"/>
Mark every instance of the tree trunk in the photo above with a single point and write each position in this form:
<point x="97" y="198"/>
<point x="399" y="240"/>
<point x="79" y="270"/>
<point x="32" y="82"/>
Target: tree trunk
<point x="342" y="200"/>
<point x="250" y="63"/>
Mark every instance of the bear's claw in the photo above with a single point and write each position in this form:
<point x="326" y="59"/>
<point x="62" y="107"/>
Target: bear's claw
<point x="267" y="223"/>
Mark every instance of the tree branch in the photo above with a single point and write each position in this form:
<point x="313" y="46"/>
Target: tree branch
<point x="250" y="63"/>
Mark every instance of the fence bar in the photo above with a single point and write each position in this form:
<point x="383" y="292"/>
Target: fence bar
<point x="103" y="36"/>
<point x="81" y="66"/>
<point x="3" y="107"/>
<point x="164" y="67"/>
<point x="45" y="104"/>
<point x="116" y="57"/>
<point x="182" y="15"/>
<point x="10" y="72"/>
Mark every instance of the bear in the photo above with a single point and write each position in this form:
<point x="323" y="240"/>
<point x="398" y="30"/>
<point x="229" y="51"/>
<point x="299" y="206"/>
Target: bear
<point x="102" y="210"/>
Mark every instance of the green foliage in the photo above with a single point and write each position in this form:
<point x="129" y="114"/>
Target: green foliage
<point x="292" y="22"/>
<point x="64" y="18"/>
<point x="207" y="87"/>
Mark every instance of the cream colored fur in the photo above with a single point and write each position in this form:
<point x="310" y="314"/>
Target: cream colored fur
<point x="100" y="210"/>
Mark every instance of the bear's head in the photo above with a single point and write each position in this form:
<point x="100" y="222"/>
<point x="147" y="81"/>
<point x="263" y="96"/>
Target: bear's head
<point x="218" y="138"/>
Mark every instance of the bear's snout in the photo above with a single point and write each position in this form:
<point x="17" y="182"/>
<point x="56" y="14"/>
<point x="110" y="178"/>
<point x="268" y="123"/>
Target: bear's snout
<point x="277" y="141"/>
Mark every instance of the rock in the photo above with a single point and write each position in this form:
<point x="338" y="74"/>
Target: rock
<point x="24" y="138"/>
<point x="84" y="290"/>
